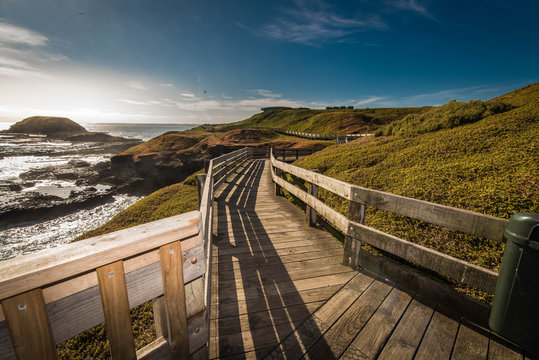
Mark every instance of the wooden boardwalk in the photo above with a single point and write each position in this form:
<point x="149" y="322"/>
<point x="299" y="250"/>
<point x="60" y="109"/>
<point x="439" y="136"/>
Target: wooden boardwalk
<point x="279" y="290"/>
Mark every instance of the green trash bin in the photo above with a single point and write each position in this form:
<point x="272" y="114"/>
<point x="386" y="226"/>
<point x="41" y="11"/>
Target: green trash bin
<point x="515" y="309"/>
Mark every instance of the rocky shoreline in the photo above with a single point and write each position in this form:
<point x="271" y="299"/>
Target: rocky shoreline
<point x="45" y="192"/>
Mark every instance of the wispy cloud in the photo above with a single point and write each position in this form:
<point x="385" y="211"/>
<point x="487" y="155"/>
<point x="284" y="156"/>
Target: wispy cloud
<point x="188" y="96"/>
<point x="372" y="99"/>
<point x="12" y="34"/>
<point x="266" y="93"/>
<point x="135" y="85"/>
<point x="314" y="23"/>
<point x="412" y="5"/>
<point x="24" y="53"/>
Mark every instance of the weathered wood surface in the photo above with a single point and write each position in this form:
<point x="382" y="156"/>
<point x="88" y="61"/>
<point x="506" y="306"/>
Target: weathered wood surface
<point x="270" y="271"/>
<point x="29" y="272"/>
<point x="116" y="309"/>
<point x="29" y="326"/>
<point x="470" y="222"/>
<point x="279" y="291"/>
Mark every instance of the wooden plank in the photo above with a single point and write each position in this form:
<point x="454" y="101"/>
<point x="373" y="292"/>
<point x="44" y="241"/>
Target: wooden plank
<point x="171" y="265"/>
<point x="160" y="317"/>
<point x="116" y="309"/>
<point x="443" y="264"/>
<point x="310" y="213"/>
<point x="29" y="327"/>
<point x="265" y="318"/>
<point x="335" y="186"/>
<point x="269" y="248"/>
<point x="435" y="291"/>
<point x="470" y="222"/>
<point x="268" y="278"/>
<point x="439" y="338"/>
<point x="407" y="335"/>
<point x="333" y="217"/>
<point x="471" y="343"/>
<point x="499" y="349"/>
<point x="373" y="336"/>
<point x="219" y="310"/>
<point x="352" y="246"/>
<point x="284" y="259"/>
<point x="268" y="273"/>
<point x="302" y="264"/>
<point x="76" y="313"/>
<point x="281" y="287"/>
<point x="298" y="342"/>
<point x="282" y="252"/>
<point x="337" y="339"/>
<point x="49" y="266"/>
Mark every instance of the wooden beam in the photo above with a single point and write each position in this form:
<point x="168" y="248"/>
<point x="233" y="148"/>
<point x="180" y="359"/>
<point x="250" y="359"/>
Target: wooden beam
<point x="332" y="216"/>
<point x="171" y="265"/>
<point x="29" y="326"/>
<point x="443" y="264"/>
<point x="310" y="212"/>
<point x="335" y="186"/>
<point x="352" y="246"/>
<point x="160" y="317"/>
<point x="469" y="222"/>
<point x="52" y="265"/>
<point x="116" y="309"/>
<point x="435" y="291"/>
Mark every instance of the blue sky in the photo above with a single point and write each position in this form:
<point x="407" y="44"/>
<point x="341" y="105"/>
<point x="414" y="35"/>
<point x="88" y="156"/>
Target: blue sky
<point x="220" y="61"/>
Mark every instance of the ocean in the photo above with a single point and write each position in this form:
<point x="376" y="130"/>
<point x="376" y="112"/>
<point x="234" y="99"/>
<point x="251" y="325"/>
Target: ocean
<point x="37" y="152"/>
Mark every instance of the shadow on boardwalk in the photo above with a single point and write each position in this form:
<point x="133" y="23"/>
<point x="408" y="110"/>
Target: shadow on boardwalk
<point x="258" y="302"/>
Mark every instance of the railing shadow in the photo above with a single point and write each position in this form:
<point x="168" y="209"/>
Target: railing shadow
<point x="257" y="295"/>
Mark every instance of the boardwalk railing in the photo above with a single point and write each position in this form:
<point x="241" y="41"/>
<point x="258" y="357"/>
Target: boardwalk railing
<point x="52" y="295"/>
<point x="341" y="138"/>
<point x="356" y="232"/>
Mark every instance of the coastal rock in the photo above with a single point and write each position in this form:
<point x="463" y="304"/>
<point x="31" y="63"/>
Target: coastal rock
<point x="39" y="207"/>
<point x="47" y="125"/>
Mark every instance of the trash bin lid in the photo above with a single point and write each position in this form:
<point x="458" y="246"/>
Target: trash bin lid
<point x="523" y="228"/>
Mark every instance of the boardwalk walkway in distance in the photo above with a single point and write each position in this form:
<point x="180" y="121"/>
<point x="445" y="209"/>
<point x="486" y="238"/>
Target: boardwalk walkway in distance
<point x="279" y="290"/>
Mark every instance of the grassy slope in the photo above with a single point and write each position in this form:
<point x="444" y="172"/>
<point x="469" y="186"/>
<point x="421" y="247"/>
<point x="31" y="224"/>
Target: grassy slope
<point x="196" y="141"/>
<point x="489" y="166"/>
<point x="324" y="121"/>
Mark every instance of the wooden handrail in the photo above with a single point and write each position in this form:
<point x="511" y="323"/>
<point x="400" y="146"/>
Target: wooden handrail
<point x="472" y="223"/>
<point x="466" y="221"/>
<point x="77" y="286"/>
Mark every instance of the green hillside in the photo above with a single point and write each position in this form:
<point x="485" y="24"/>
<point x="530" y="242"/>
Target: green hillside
<point x="448" y="116"/>
<point x="324" y="121"/>
<point x="489" y="166"/>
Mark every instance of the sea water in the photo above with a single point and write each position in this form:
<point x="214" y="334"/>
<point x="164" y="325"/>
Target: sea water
<point x="24" y="155"/>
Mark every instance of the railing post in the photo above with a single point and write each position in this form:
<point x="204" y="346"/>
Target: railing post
<point x="172" y="272"/>
<point x="160" y="317"/>
<point x="311" y="215"/>
<point x="278" y="191"/>
<point x="201" y="179"/>
<point x="297" y="154"/>
<point x="111" y="279"/>
<point x="284" y="155"/>
<point x="352" y="246"/>
<point x="29" y="326"/>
